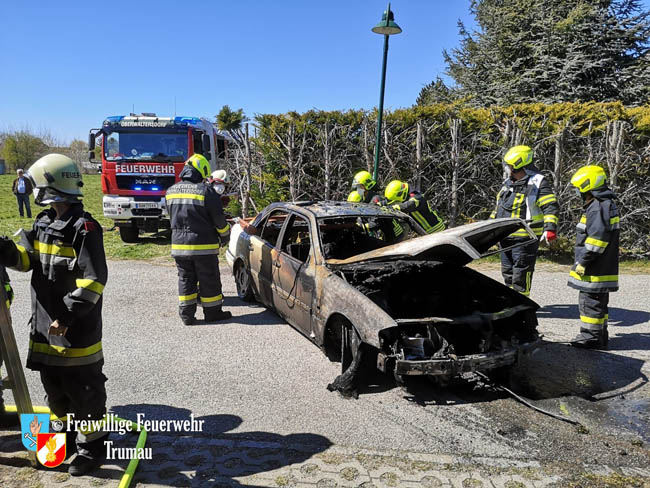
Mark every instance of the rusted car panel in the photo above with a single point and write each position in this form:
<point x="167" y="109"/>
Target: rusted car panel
<point x="366" y="278"/>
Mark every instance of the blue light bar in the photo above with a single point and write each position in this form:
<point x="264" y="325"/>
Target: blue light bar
<point x="137" y="188"/>
<point x="154" y="188"/>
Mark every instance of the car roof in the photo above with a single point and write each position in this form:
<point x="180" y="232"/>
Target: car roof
<point x="331" y="208"/>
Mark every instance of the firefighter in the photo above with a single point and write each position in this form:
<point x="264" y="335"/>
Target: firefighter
<point x="65" y="252"/>
<point x="525" y="194"/>
<point x="355" y="197"/>
<point x="595" y="271"/>
<point x="364" y="184"/>
<point x="416" y="206"/>
<point x="198" y="227"/>
<point x="6" y="419"/>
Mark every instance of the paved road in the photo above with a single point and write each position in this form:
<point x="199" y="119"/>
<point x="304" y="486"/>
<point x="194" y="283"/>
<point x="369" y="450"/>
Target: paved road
<point x="258" y="379"/>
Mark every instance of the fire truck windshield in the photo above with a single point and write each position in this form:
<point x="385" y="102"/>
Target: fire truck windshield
<point x="156" y="146"/>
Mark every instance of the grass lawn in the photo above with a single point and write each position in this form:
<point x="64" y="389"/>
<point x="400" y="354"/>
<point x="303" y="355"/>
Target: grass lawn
<point x="147" y="248"/>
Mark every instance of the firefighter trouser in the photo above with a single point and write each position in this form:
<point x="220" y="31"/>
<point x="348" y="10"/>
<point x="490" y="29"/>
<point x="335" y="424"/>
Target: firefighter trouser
<point x="198" y="282"/>
<point x="2" y="405"/>
<point x="593" y="313"/>
<point x="518" y="265"/>
<point x="78" y="391"/>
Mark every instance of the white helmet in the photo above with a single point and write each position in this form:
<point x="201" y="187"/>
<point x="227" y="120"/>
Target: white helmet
<point x="55" y="178"/>
<point x="220" y="176"/>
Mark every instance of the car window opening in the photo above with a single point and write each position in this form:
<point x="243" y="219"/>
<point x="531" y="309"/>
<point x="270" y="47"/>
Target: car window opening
<point x="297" y="242"/>
<point x="344" y="237"/>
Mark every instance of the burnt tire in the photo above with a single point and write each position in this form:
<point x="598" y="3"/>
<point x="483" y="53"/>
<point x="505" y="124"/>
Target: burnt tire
<point x="243" y="283"/>
<point x="352" y="357"/>
<point x="129" y="234"/>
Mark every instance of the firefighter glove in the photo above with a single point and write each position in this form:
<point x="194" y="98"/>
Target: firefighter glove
<point x="547" y="237"/>
<point x="580" y="269"/>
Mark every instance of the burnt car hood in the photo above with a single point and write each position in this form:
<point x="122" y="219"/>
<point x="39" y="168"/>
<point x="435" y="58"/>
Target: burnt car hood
<point x="459" y="245"/>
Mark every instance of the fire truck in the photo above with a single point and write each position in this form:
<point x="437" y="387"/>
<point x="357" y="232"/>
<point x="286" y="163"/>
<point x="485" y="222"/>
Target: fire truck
<point x="143" y="155"/>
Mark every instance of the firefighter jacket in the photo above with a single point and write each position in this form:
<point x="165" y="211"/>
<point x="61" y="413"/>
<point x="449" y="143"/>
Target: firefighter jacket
<point x="69" y="272"/>
<point x="420" y="209"/>
<point x="4" y="282"/>
<point x="597" y="237"/>
<point x="197" y="219"/>
<point x="531" y="198"/>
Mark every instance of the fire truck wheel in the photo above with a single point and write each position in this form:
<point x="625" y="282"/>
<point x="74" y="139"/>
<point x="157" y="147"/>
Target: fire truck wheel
<point x="129" y="233"/>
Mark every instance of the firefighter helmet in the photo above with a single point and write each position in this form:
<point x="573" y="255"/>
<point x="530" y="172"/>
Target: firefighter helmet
<point x="396" y="191"/>
<point x="589" y="178"/>
<point x="365" y="179"/>
<point x="354" y="196"/>
<point x="199" y="163"/>
<point x="56" y="179"/>
<point x="519" y="156"/>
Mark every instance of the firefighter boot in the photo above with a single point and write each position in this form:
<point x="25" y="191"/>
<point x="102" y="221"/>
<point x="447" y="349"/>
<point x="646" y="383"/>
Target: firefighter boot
<point x="187" y="315"/>
<point x="591" y="339"/>
<point x="216" y="314"/>
<point x="90" y="456"/>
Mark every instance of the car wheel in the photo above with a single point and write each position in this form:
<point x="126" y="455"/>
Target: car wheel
<point x="243" y="282"/>
<point x="352" y="359"/>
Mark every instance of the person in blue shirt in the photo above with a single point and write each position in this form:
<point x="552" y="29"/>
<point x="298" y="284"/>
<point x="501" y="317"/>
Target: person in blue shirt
<point x="22" y="188"/>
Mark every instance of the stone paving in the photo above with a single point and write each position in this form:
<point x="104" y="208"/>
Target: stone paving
<point x="183" y="461"/>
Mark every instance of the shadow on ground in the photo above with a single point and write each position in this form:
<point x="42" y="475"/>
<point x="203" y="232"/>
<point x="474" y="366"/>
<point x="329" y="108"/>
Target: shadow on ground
<point x="213" y="456"/>
<point x="619" y="317"/>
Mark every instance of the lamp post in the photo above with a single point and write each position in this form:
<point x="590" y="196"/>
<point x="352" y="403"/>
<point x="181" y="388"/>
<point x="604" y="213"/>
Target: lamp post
<point x="385" y="27"/>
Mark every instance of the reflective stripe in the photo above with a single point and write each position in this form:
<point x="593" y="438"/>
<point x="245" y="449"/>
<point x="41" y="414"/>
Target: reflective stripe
<point x="224" y="230"/>
<point x="550" y="219"/>
<point x="86" y="295"/>
<point x="397" y="228"/>
<point x="194" y="247"/>
<point x="581" y="227"/>
<point x="614" y="222"/>
<point x="438" y="227"/>
<point x="516" y="205"/>
<point x="184" y="196"/>
<point x="592" y="327"/>
<point x="194" y="252"/>
<point x="596" y="242"/>
<point x="593" y="279"/>
<point x="546" y="199"/>
<point x="212" y="299"/>
<point x="422" y="221"/>
<point x="583" y="219"/>
<point x="64" y="356"/>
<point x="186" y="298"/>
<point x="591" y="320"/>
<point x="23" y="259"/>
<point x="65" y="251"/>
<point x="90" y="285"/>
<point x="54" y="260"/>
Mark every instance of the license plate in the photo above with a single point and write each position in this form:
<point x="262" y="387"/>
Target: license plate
<point x="146" y="205"/>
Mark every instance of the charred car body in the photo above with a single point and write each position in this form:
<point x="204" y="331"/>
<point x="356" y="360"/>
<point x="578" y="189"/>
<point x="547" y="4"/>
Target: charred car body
<point x="366" y="283"/>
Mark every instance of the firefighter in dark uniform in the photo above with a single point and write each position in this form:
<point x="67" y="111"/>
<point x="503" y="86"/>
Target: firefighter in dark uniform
<point x="198" y="227"/>
<point x="365" y="185"/>
<point x="65" y="252"/>
<point x="525" y="194"/>
<point x="416" y="206"/>
<point x="6" y="419"/>
<point x="595" y="272"/>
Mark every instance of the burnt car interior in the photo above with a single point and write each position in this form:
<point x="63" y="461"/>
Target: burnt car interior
<point x="344" y="237"/>
<point x="296" y="242"/>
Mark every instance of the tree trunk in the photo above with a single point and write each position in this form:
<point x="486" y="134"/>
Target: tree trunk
<point x="417" y="182"/>
<point x="557" y="167"/>
<point x="614" y="149"/>
<point x="455" y="129"/>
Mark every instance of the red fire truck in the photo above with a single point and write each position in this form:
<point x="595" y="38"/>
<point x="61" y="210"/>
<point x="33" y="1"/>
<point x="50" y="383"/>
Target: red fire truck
<point x="141" y="156"/>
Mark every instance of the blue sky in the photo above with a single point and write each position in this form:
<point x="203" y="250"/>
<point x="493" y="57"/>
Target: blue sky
<point x="66" y="65"/>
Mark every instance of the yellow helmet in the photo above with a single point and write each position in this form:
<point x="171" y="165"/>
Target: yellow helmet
<point x="589" y="178"/>
<point x="519" y="156"/>
<point x="199" y="163"/>
<point x="354" y="196"/>
<point x="365" y="179"/>
<point x="396" y="191"/>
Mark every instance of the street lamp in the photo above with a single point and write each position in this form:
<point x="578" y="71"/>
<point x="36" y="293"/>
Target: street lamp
<point x="387" y="27"/>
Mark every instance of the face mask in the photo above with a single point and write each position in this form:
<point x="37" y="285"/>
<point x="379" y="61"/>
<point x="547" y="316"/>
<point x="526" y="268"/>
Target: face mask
<point x="219" y="188"/>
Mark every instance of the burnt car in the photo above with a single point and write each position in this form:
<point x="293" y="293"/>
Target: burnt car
<point x="367" y="285"/>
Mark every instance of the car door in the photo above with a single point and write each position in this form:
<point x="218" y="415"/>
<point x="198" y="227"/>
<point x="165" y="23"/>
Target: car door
<point x="263" y="253"/>
<point x="294" y="274"/>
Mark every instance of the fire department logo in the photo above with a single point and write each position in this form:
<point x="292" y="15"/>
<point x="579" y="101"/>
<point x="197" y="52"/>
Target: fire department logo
<point x="51" y="449"/>
<point x="31" y="425"/>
